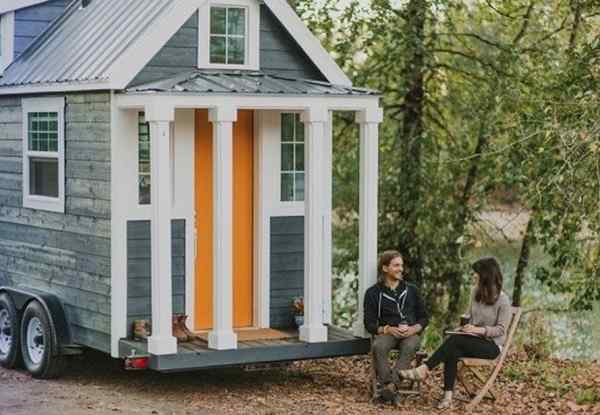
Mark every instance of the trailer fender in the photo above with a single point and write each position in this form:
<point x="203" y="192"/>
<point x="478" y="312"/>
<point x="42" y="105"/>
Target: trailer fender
<point x="53" y="307"/>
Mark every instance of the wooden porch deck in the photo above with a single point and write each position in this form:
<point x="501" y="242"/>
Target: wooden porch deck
<point x="196" y="355"/>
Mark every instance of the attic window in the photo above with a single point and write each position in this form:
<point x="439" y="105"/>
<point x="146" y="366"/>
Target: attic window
<point x="228" y="35"/>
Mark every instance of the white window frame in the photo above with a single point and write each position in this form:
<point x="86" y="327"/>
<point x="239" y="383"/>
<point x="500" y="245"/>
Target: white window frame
<point x="54" y="104"/>
<point x="7" y="43"/>
<point x="252" y="34"/>
<point x="281" y="172"/>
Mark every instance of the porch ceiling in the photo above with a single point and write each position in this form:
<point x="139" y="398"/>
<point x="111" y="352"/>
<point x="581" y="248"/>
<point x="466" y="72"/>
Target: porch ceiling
<point x="246" y="83"/>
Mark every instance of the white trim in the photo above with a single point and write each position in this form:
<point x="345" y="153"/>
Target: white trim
<point x="252" y="34"/>
<point x="308" y="42"/>
<point x="7" y="45"/>
<point x="367" y="251"/>
<point x="11" y="5"/>
<point x="262" y="264"/>
<point x="54" y="104"/>
<point x="47" y="88"/>
<point x="118" y="231"/>
<point x="256" y="102"/>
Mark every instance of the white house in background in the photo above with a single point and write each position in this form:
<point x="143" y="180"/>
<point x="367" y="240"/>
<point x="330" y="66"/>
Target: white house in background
<point x="172" y="156"/>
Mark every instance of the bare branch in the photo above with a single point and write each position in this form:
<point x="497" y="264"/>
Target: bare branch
<point x="525" y="24"/>
<point x="478" y="37"/>
<point x="491" y="6"/>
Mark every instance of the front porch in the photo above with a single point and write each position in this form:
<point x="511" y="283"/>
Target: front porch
<point x="200" y="105"/>
<point x="197" y="355"/>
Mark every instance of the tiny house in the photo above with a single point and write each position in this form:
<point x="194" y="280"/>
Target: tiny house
<point x="162" y="157"/>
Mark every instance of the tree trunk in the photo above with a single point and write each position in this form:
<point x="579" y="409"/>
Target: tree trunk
<point x="411" y="134"/>
<point x="522" y="264"/>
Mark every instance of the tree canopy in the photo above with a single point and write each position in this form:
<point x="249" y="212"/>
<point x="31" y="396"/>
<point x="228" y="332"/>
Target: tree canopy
<point x="483" y="99"/>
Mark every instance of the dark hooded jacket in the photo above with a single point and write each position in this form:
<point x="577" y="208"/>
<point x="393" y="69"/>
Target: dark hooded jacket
<point x="384" y="306"/>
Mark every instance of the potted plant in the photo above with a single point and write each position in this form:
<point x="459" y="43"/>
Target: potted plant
<point x="298" y="309"/>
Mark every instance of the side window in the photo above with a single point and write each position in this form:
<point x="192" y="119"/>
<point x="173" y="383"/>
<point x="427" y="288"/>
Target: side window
<point x="292" y="158"/>
<point x="228" y="35"/>
<point x="43" y="154"/>
<point x="144" y="172"/>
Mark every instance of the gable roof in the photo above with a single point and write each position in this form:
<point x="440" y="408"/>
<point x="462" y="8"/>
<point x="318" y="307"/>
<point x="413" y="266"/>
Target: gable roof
<point x="12" y="5"/>
<point x="105" y="45"/>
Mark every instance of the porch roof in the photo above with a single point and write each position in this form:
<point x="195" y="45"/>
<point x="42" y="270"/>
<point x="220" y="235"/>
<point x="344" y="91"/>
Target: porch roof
<point x="246" y="83"/>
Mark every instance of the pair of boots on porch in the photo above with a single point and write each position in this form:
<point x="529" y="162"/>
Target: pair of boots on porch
<point x="142" y="329"/>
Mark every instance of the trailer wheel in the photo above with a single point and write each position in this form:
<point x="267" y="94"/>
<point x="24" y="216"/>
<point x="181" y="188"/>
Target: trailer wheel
<point x="10" y="351"/>
<point x="39" y="348"/>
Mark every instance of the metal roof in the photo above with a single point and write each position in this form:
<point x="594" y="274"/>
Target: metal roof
<point x="82" y="44"/>
<point x="245" y="82"/>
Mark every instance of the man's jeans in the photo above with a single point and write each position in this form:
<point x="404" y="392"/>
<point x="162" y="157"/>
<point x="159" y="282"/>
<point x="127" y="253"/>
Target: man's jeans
<point x="383" y="344"/>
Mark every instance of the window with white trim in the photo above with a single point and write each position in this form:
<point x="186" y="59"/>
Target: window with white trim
<point x="292" y="158"/>
<point x="144" y="172"/>
<point x="228" y="35"/>
<point x="43" y="154"/>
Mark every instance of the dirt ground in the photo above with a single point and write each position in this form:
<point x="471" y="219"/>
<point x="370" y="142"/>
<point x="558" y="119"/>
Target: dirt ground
<point x="94" y="384"/>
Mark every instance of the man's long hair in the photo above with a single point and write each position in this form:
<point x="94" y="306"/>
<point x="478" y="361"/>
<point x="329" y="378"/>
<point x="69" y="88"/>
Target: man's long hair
<point x="384" y="260"/>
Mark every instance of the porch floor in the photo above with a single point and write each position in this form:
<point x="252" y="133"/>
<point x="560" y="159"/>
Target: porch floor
<point x="196" y="355"/>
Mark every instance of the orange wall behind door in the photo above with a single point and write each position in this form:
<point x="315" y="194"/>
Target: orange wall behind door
<point x="243" y="191"/>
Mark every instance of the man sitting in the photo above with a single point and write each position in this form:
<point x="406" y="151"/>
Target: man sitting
<point x="395" y="314"/>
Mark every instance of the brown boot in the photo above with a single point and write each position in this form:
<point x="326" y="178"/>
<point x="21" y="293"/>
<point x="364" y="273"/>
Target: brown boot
<point x="141" y="330"/>
<point x="188" y="332"/>
<point x="178" y="332"/>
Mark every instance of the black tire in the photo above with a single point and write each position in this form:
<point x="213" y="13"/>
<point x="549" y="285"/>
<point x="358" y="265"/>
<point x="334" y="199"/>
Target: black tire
<point x="40" y="351"/>
<point x="10" y="349"/>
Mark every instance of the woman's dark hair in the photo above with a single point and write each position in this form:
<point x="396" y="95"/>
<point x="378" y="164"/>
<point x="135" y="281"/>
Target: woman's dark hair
<point x="490" y="280"/>
<point x="385" y="259"/>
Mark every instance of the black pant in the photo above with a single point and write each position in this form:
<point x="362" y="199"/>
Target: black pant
<point x="457" y="346"/>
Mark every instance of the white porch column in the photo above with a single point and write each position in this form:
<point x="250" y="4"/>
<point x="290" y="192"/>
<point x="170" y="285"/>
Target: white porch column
<point x="369" y="121"/>
<point x="315" y="194"/>
<point x="327" y="212"/>
<point x="222" y="336"/>
<point x="160" y="117"/>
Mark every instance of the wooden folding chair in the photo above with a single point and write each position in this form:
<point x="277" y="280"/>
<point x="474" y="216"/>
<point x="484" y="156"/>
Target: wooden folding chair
<point x="473" y="365"/>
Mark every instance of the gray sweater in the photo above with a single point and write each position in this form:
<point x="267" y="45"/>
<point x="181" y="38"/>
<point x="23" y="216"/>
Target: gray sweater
<point x="494" y="318"/>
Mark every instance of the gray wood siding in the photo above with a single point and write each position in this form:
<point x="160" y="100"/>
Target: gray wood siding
<point x="287" y="268"/>
<point x="64" y="254"/>
<point x="279" y="53"/>
<point x="139" y="304"/>
<point x="180" y="54"/>
<point x="32" y="21"/>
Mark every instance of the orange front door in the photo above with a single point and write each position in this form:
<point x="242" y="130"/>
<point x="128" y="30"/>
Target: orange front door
<point x="243" y="193"/>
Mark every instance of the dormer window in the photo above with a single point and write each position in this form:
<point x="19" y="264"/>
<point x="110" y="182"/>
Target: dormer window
<point x="228" y="35"/>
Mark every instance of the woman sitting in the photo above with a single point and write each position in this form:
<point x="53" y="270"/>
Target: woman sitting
<point x="483" y="336"/>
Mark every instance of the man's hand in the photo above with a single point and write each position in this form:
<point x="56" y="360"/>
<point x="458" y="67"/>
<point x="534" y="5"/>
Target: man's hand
<point x="408" y="331"/>
<point x="395" y="331"/>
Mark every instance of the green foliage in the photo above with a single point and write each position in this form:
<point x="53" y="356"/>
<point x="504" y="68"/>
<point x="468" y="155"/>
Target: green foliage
<point x="480" y="98"/>
<point x="588" y="396"/>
